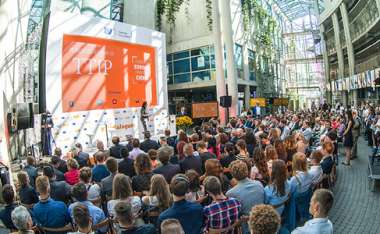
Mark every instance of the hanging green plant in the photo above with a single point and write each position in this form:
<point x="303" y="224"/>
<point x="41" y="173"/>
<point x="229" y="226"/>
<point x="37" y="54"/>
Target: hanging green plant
<point x="160" y="10"/>
<point x="209" y="14"/>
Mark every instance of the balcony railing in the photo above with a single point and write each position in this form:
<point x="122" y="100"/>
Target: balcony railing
<point x="367" y="16"/>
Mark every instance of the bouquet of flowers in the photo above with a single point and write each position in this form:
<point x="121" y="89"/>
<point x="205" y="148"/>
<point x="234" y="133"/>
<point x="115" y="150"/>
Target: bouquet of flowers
<point x="184" y="122"/>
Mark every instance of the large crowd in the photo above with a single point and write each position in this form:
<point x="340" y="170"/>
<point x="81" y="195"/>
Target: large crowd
<point x="259" y="175"/>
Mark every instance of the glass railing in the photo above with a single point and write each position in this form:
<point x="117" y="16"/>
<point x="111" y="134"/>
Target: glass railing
<point x="367" y="16"/>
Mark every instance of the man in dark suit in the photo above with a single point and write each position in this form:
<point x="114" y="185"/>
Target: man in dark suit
<point x="126" y="165"/>
<point x="167" y="169"/>
<point x="83" y="158"/>
<point x="148" y="144"/>
<point x="190" y="161"/>
<point x="115" y="150"/>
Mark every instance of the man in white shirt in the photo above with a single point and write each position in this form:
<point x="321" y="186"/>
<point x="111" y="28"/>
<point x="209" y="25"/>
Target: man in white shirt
<point x="285" y="130"/>
<point x="315" y="170"/>
<point x="320" y="205"/>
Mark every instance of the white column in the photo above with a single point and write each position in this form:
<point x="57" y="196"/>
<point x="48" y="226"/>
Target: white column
<point x="227" y="34"/>
<point x="338" y="46"/>
<point x="326" y="62"/>
<point x="350" y="48"/>
<point x="219" y="60"/>
<point x="247" y="97"/>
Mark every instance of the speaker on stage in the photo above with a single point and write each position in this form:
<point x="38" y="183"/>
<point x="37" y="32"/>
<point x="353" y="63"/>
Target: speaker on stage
<point x="24" y="113"/>
<point x="225" y="101"/>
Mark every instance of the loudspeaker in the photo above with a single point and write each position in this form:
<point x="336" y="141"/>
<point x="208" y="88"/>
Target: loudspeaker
<point x="24" y="113"/>
<point x="225" y="101"/>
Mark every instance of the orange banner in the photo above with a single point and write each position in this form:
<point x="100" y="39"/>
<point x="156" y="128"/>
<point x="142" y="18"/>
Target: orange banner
<point x="205" y="110"/>
<point x="106" y="74"/>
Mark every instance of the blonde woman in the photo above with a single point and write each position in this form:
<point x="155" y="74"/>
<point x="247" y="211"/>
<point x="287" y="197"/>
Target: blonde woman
<point x="159" y="194"/>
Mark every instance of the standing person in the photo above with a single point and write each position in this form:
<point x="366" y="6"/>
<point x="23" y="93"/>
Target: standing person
<point x="355" y="134"/>
<point x="348" y="141"/>
<point x="46" y="125"/>
<point x="83" y="158"/>
<point x="189" y="214"/>
<point x="144" y="115"/>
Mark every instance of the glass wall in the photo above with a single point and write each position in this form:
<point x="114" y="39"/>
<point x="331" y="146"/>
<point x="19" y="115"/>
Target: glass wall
<point x="195" y="65"/>
<point x="239" y="61"/>
<point x="251" y="64"/>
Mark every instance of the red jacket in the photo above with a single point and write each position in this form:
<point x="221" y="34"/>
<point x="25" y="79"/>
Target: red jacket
<point x="72" y="176"/>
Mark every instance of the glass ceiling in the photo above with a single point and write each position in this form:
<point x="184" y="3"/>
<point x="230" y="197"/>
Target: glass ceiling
<point x="295" y="9"/>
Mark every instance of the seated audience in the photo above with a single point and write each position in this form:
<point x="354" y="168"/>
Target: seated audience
<point x="127" y="220"/>
<point x="301" y="179"/>
<point x="27" y="194"/>
<point x="264" y="220"/>
<point x="148" y="144"/>
<point x="241" y="146"/>
<point x="72" y="175"/>
<point x="277" y="192"/>
<point x="106" y="183"/>
<point x="152" y="153"/>
<point x="126" y="165"/>
<point x="213" y="168"/>
<point x="159" y="195"/>
<point x="59" y="190"/>
<point x="327" y="161"/>
<point x="122" y="191"/>
<point x="189" y="214"/>
<point x="93" y="189"/>
<point x="8" y="196"/>
<point x="22" y="220"/>
<point x="79" y="193"/>
<point x="315" y="170"/>
<point x="31" y="170"/>
<point x="190" y="161"/>
<point x="82" y="220"/>
<point x="196" y="190"/>
<point x="100" y="171"/>
<point x="47" y="212"/>
<point x="223" y="212"/>
<point x="248" y="192"/>
<point x="171" y="226"/>
<point x="58" y="162"/>
<point x="55" y="161"/>
<point x="320" y="205"/>
<point x="259" y="170"/>
<point x="82" y="158"/>
<point x="167" y="169"/>
<point x="136" y="151"/>
<point x="143" y="168"/>
<point x="204" y="154"/>
<point x="115" y="150"/>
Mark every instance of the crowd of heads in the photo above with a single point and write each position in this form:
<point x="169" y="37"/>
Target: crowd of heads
<point x="281" y="154"/>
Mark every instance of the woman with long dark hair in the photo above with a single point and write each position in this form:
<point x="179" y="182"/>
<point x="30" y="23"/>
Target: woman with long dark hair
<point x="278" y="190"/>
<point x="348" y="140"/>
<point x="259" y="170"/>
<point x="144" y="115"/>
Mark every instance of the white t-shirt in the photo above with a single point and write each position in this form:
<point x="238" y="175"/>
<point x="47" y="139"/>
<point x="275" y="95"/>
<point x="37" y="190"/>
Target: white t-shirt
<point x="93" y="191"/>
<point x="133" y="200"/>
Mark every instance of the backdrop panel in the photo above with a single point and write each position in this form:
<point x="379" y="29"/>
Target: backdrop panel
<point x="98" y="74"/>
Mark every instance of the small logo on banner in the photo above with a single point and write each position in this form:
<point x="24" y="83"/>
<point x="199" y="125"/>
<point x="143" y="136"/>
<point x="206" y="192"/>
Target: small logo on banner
<point x="107" y="30"/>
